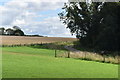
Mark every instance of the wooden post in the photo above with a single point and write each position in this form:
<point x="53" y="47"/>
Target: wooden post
<point x="41" y="43"/>
<point x="103" y="58"/>
<point x="55" y="53"/>
<point x="103" y="55"/>
<point x="68" y="54"/>
<point x="85" y="56"/>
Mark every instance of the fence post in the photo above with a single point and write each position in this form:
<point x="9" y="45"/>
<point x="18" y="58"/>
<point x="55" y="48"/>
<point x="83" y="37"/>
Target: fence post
<point x="103" y="58"/>
<point x="55" y="53"/>
<point x="85" y="55"/>
<point x="68" y="54"/>
<point x="103" y="55"/>
<point x="41" y="43"/>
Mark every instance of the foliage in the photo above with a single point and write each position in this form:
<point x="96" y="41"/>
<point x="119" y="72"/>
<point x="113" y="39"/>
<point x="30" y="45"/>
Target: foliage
<point x="95" y="25"/>
<point x="55" y="45"/>
<point x="18" y="33"/>
<point x="15" y="31"/>
<point x="16" y="28"/>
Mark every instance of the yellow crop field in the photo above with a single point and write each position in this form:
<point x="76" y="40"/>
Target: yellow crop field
<point x="12" y="40"/>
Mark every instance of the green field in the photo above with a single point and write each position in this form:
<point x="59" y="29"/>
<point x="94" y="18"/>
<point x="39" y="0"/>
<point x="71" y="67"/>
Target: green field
<point x="28" y="62"/>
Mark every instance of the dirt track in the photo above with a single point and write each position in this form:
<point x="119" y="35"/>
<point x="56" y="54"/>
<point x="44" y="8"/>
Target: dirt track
<point x="10" y="40"/>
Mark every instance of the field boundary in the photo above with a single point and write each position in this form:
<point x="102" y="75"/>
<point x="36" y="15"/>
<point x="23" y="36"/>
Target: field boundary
<point x="76" y="54"/>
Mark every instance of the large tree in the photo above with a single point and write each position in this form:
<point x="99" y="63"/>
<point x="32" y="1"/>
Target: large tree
<point x="92" y="23"/>
<point x="109" y="32"/>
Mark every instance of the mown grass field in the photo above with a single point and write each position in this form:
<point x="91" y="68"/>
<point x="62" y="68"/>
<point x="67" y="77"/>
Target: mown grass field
<point x="28" y="62"/>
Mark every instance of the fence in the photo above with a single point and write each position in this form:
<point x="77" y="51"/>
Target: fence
<point x="88" y="56"/>
<point x="62" y="53"/>
<point x="77" y="55"/>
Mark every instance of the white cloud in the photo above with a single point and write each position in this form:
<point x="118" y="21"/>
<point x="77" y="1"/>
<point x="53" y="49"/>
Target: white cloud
<point x="24" y="13"/>
<point x="19" y="22"/>
<point x="50" y="26"/>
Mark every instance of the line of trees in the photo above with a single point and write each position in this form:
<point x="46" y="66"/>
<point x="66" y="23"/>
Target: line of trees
<point x="96" y="24"/>
<point x="11" y="31"/>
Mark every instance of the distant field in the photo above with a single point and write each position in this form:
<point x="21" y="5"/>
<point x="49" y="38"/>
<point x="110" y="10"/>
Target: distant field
<point x="11" y="40"/>
<point x="28" y="62"/>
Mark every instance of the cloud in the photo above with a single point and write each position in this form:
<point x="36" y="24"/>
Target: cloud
<point x="15" y="8"/>
<point x="50" y="26"/>
<point x="26" y="14"/>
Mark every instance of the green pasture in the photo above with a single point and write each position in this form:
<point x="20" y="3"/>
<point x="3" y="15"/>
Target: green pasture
<point x="29" y="62"/>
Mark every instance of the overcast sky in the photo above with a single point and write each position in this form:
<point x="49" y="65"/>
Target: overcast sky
<point x="34" y="16"/>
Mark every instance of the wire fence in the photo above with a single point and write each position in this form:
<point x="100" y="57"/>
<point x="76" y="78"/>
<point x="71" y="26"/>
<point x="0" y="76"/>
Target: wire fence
<point x="84" y="55"/>
<point x="88" y="56"/>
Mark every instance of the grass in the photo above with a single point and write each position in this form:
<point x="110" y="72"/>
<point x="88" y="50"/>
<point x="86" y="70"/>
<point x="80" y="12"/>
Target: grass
<point x="95" y="54"/>
<point x="29" y="62"/>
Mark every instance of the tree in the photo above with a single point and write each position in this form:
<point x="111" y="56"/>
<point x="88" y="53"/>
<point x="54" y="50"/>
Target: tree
<point x="16" y="28"/>
<point x="82" y="19"/>
<point x="2" y="31"/>
<point x="108" y="37"/>
<point x="18" y="33"/>
<point x="92" y="23"/>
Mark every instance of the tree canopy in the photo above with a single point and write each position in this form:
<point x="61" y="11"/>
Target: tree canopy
<point x="95" y="24"/>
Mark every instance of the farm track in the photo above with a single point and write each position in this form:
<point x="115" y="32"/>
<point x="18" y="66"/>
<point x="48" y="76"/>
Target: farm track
<point x="14" y="40"/>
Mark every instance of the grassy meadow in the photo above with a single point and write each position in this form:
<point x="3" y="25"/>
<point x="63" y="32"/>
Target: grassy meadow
<point x="29" y="62"/>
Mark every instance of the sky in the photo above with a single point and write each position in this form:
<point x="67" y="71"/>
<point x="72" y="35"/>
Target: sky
<point x="34" y="17"/>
